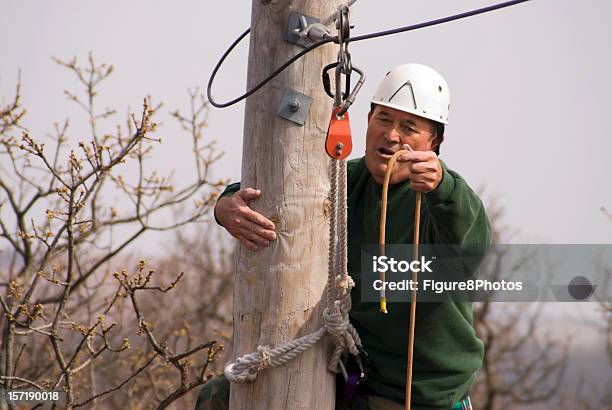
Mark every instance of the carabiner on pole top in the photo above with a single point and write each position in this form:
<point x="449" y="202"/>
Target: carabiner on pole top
<point x="343" y="66"/>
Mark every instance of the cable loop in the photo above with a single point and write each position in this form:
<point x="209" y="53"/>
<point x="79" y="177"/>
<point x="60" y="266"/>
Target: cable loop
<point x="335" y="39"/>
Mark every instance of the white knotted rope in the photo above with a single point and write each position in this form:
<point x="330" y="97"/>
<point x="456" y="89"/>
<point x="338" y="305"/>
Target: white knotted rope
<point x="338" y="294"/>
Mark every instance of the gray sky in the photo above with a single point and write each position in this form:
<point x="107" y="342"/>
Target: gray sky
<point x="530" y="88"/>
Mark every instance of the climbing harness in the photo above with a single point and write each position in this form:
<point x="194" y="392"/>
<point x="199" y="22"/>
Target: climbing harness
<point x="339" y="282"/>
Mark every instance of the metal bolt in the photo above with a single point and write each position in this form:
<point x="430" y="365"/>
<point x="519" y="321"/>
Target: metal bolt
<point x="339" y="147"/>
<point x="294" y="106"/>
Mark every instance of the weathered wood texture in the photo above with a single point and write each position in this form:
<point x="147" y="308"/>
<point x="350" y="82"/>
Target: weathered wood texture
<point x="278" y="290"/>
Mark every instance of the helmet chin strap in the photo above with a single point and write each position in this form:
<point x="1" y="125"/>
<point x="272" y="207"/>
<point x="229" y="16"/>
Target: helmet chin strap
<point x="415" y="256"/>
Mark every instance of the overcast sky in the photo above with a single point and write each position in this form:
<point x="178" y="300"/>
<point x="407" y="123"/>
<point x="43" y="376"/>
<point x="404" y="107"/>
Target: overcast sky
<point x="530" y="88"/>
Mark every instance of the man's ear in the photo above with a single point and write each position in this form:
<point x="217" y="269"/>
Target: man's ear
<point x="369" y="116"/>
<point x="435" y="139"/>
<point x="435" y="143"/>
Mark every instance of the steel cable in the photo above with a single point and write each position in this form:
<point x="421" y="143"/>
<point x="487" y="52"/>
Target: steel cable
<point x="335" y="40"/>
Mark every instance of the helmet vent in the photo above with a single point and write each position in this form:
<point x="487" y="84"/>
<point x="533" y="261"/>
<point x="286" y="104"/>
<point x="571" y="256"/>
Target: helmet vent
<point x="405" y="94"/>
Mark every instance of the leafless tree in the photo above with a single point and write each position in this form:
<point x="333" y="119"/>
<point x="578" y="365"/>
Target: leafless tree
<point x="522" y="364"/>
<point x="69" y="318"/>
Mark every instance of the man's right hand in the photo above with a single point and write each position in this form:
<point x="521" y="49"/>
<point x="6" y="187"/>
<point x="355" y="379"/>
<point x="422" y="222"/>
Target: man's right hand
<point x="249" y="227"/>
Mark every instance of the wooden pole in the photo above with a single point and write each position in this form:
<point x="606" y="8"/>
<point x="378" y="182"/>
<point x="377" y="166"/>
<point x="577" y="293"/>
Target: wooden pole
<point x="279" y="290"/>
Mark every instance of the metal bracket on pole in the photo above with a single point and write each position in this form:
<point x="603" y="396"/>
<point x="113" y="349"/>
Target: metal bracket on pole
<point x="294" y="106"/>
<point x="296" y="23"/>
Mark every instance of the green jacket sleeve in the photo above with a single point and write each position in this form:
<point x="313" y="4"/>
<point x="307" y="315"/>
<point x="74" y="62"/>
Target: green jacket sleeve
<point x="231" y="189"/>
<point x="457" y="214"/>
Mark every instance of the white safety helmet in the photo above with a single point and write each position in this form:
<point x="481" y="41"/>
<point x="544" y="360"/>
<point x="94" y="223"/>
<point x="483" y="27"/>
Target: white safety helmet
<point x="417" y="89"/>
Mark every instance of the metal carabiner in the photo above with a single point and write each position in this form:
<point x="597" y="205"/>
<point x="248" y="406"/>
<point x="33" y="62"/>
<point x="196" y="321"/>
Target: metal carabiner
<point x="327" y="83"/>
<point x="348" y="101"/>
<point x="343" y="67"/>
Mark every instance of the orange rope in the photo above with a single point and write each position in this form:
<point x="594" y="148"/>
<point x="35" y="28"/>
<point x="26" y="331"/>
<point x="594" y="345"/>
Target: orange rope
<point x="415" y="256"/>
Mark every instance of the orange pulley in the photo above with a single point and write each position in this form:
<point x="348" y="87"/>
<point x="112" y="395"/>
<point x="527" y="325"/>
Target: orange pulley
<point x="339" y="143"/>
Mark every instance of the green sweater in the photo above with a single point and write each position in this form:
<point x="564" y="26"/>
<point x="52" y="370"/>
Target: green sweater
<point x="447" y="352"/>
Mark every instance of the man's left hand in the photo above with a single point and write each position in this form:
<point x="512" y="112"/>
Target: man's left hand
<point x="425" y="171"/>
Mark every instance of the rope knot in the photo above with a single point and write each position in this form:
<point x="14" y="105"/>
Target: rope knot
<point x="336" y="324"/>
<point x="264" y="357"/>
<point x="345" y="282"/>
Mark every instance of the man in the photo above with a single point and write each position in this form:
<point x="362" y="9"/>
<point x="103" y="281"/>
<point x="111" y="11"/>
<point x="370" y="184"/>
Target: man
<point x="408" y="111"/>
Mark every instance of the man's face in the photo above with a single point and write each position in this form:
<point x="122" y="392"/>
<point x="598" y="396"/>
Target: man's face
<point x="388" y="130"/>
